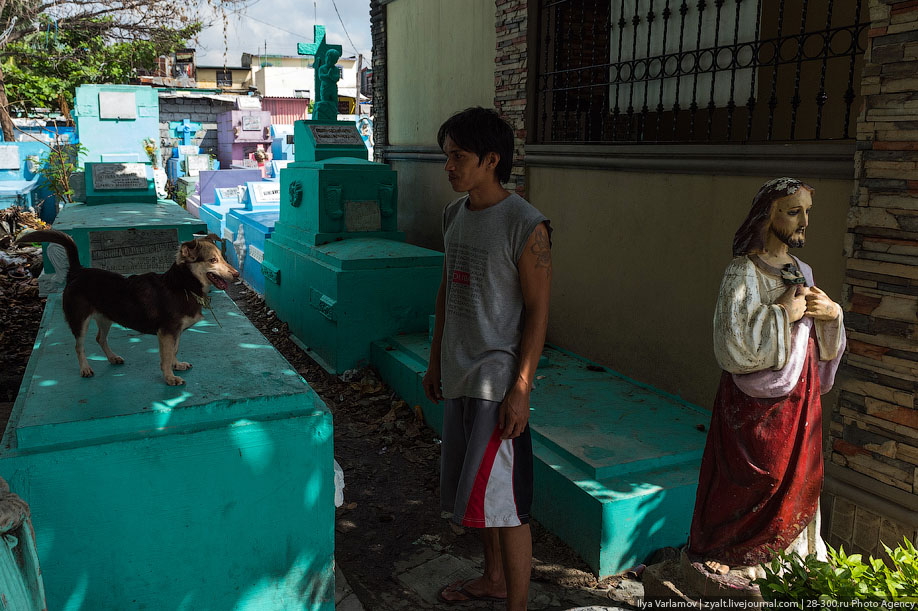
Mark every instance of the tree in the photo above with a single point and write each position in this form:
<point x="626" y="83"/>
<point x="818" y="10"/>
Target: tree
<point x="48" y="47"/>
<point x="44" y="66"/>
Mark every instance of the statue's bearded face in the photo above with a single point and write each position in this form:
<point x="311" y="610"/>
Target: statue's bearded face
<point x="790" y="217"/>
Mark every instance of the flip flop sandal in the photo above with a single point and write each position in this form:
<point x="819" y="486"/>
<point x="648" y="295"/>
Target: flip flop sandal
<point x="459" y="588"/>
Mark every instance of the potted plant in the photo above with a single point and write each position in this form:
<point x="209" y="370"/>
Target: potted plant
<point x="57" y="167"/>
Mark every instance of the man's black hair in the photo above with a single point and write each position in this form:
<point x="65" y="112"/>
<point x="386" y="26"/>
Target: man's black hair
<point x="481" y="131"/>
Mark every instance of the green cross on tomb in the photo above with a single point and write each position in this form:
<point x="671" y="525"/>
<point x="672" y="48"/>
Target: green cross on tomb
<point x="325" y="93"/>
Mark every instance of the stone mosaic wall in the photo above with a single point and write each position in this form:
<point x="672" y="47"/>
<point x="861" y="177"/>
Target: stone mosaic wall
<point x="380" y="100"/>
<point x="510" y="78"/>
<point x="874" y="429"/>
<point x="200" y="110"/>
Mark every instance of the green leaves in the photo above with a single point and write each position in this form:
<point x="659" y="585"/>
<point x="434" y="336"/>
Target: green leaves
<point x="44" y="66"/>
<point x="58" y="164"/>
<point x="788" y="577"/>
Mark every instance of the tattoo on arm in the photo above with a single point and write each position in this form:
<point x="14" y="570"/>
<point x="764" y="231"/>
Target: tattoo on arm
<point x="541" y="248"/>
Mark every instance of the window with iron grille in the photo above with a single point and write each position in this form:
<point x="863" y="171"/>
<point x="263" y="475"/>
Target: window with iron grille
<point x="224" y="78"/>
<point x="631" y="71"/>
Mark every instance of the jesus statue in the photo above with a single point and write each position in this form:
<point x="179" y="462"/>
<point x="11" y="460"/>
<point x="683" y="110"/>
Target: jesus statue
<point x="779" y="340"/>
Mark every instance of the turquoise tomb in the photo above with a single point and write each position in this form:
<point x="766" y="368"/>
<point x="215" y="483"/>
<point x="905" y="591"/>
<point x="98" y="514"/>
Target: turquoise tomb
<point x="615" y="461"/>
<point x="337" y="269"/>
<point x="113" y="120"/>
<point x="215" y="495"/>
<point x="121" y="226"/>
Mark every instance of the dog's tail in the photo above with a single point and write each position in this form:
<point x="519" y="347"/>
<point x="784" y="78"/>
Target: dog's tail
<point x="55" y="237"/>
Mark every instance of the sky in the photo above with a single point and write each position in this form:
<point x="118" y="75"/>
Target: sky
<point x="282" y="24"/>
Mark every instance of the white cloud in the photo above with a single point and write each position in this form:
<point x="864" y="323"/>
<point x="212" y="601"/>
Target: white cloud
<point x="291" y="22"/>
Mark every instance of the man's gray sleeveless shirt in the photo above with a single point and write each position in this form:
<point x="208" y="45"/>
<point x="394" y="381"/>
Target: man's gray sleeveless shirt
<point x="484" y="302"/>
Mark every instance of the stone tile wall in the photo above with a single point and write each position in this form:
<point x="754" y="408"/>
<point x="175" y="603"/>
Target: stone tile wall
<point x="874" y="429"/>
<point x="200" y="110"/>
<point x="510" y="78"/>
<point x="380" y="100"/>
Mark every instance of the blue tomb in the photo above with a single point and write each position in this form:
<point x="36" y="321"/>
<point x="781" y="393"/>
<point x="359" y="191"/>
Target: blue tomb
<point x="248" y="231"/>
<point x="113" y="121"/>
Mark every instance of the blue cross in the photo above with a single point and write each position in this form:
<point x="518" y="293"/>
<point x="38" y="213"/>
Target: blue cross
<point x="184" y="129"/>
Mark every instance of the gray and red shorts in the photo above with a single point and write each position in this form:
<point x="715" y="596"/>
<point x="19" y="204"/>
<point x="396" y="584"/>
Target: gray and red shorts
<point x="485" y="481"/>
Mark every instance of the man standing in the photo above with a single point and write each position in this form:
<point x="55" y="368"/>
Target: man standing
<point x="491" y="317"/>
<point x="779" y="340"/>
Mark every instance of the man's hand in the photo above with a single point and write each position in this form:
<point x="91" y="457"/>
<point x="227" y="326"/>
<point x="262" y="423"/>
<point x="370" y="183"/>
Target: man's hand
<point x="819" y="306"/>
<point x="794" y="301"/>
<point x="431" y="384"/>
<point x="514" y="411"/>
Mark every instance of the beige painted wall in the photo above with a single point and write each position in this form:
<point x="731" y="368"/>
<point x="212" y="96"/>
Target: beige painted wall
<point x="423" y="191"/>
<point x="638" y="257"/>
<point x="638" y="260"/>
<point x="440" y="60"/>
<point x="206" y="78"/>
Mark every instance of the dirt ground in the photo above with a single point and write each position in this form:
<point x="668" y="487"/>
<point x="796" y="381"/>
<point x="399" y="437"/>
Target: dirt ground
<point x="389" y="457"/>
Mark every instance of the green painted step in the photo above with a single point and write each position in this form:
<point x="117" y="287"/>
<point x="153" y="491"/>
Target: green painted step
<point x="218" y="494"/>
<point x="616" y="460"/>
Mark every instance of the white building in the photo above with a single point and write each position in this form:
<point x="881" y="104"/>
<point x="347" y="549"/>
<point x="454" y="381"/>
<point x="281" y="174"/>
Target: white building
<point x="292" y="76"/>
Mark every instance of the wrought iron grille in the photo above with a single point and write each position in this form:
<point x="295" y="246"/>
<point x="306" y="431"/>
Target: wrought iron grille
<point x="700" y="71"/>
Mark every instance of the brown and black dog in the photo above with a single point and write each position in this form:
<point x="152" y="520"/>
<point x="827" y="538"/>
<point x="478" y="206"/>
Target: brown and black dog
<point x="157" y="304"/>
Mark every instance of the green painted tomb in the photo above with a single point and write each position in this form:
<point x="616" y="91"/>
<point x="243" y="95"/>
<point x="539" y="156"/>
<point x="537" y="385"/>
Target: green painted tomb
<point x="214" y="495"/>
<point x="616" y="461"/>
<point x="128" y="238"/>
<point x="119" y="182"/>
<point x="337" y="269"/>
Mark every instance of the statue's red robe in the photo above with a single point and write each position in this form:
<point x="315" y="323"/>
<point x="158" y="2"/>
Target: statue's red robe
<point x="762" y="471"/>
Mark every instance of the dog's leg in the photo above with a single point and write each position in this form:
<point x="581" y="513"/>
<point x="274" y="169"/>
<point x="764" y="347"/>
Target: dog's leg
<point x="104" y="325"/>
<point x="85" y="369"/>
<point x="167" y="358"/>
<point x="177" y="364"/>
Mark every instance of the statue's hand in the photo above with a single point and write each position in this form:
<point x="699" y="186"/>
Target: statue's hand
<point x="819" y="306"/>
<point x="794" y="302"/>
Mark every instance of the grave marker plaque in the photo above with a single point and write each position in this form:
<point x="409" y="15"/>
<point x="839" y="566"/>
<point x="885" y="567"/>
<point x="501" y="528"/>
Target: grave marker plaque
<point x="196" y="163"/>
<point x="187" y="149"/>
<point x="337" y="135"/>
<point x="9" y="157"/>
<point x="362" y="216"/>
<point x="129" y="251"/>
<point x="251" y="123"/>
<point x="228" y="194"/>
<point x="266" y="192"/>
<point x="117" y="105"/>
<point x="119" y="176"/>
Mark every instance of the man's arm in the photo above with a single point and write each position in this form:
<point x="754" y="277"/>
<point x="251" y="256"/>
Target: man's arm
<point x="431" y="381"/>
<point x="535" y="281"/>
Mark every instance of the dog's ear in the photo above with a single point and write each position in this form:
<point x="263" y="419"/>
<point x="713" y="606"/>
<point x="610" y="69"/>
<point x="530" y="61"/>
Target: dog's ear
<point x="210" y="237"/>
<point x="188" y="251"/>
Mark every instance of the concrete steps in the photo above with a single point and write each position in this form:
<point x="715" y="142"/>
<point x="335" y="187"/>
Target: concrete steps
<point x="616" y="461"/>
